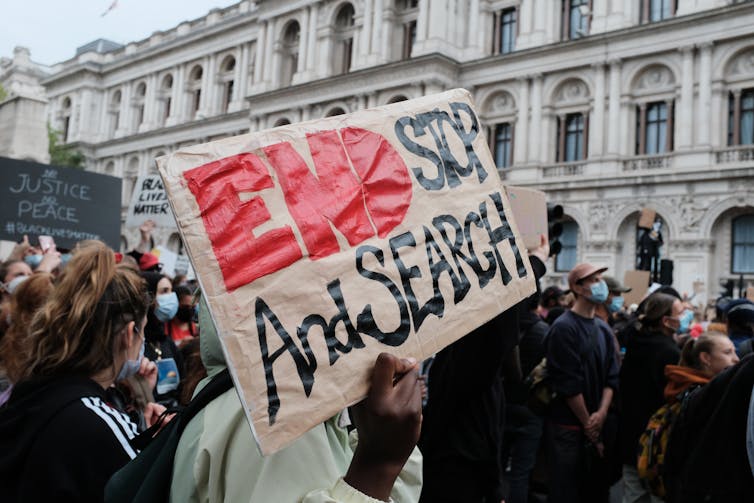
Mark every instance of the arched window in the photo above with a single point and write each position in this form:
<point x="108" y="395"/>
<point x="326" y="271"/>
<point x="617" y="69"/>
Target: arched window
<point x="113" y="112"/>
<point x="396" y="99"/>
<point x="335" y="111"/>
<point x="130" y="175"/>
<point x="407" y="12"/>
<point x="66" y="118"/>
<point x="569" y="240"/>
<point x="110" y="168"/>
<point x="289" y="53"/>
<point x="344" y="33"/>
<point x="281" y="122"/>
<point x="576" y="15"/>
<point x="742" y="257"/>
<point x="137" y="103"/>
<point x="572" y="121"/>
<point x="654" y="93"/>
<point x="227" y="69"/>
<point x="195" y="90"/>
<point x="652" y="11"/>
<point x="500" y="113"/>
<point x="166" y="97"/>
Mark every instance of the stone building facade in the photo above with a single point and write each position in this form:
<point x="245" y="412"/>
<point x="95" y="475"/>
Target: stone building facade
<point x="607" y="105"/>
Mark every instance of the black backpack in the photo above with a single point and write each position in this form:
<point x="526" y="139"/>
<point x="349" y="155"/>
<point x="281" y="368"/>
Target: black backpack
<point x="147" y="477"/>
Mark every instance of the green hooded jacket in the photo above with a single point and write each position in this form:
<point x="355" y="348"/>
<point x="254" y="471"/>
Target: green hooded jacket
<point x="218" y="460"/>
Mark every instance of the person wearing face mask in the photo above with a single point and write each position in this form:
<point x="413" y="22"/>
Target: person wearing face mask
<point x="583" y="369"/>
<point x="613" y="305"/>
<point x="160" y="348"/>
<point x="182" y="327"/>
<point x="59" y="438"/>
<point x="643" y="381"/>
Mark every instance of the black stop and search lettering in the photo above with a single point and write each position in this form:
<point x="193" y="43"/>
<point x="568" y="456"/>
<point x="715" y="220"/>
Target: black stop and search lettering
<point x="446" y="249"/>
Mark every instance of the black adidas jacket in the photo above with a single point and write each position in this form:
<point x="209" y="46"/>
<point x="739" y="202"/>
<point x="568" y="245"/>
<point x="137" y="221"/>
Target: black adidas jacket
<point x="60" y="441"/>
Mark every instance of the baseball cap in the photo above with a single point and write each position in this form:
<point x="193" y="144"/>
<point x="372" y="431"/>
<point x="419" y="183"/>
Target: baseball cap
<point x="147" y="261"/>
<point x="613" y="285"/>
<point x="582" y="271"/>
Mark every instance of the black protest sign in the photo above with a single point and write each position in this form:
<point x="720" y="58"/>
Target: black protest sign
<point x="66" y="203"/>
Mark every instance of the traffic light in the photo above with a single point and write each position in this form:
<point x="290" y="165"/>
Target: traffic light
<point x="727" y="285"/>
<point x="554" y="227"/>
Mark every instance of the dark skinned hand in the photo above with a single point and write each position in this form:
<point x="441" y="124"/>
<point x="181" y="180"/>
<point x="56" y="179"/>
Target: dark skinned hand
<point x="388" y="421"/>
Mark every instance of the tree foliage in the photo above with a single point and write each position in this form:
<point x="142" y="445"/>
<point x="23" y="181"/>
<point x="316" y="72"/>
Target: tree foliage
<point x="3" y="93"/>
<point x="63" y="155"/>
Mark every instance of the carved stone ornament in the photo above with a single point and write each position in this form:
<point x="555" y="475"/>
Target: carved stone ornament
<point x="691" y="210"/>
<point x="599" y="214"/>
<point x="655" y="78"/>
<point x="572" y="91"/>
<point x="743" y="64"/>
<point x="501" y="102"/>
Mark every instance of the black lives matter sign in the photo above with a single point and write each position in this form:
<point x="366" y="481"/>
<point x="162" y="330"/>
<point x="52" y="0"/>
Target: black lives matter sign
<point x="66" y="203"/>
<point x="149" y="201"/>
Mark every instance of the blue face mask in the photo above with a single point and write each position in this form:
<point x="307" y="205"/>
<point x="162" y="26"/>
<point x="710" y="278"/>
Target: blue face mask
<point x="33" y="260"/>
<point x="599" y="292"/>
<point x="64" y="258"/>
<point x="131" y="367"/>
<point x="615" y="305"/>
<point x="686" y="318"/>
<point x="167" y="306"/>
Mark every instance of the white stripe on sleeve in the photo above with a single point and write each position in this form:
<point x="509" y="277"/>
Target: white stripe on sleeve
<point x="88" y="403"/>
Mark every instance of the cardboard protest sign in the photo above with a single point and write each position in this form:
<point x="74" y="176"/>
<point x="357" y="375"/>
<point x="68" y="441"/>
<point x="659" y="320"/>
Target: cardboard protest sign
<point x="149" y="201"/>
<point x="529" y="208"/>
<point x="320" y="245"/>
<point x="638" y="282"/>
<point x="647" y="218"/>
<point x="66" y="203"/>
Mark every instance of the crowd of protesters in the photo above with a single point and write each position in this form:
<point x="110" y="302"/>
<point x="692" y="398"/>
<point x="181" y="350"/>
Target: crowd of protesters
<point x="98" y="347"/>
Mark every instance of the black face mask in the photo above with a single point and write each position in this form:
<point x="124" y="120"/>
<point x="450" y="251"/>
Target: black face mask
<point x="185" y="313"/>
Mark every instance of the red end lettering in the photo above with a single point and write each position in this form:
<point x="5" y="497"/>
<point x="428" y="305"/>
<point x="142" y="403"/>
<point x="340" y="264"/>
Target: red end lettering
<point x="334" y="195"/>
<point x="385" y="179"/>
<point x="230" y="222"/>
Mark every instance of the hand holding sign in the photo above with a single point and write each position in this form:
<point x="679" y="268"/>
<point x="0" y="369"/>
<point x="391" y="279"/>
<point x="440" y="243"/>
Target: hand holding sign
<point x="388" y="421"/>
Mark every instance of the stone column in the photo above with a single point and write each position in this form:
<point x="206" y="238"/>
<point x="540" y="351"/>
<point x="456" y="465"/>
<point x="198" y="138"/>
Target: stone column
<point x="241" y="80"/>
<point x="438" y="14"/>
<point x="261" y="61"/>
<point x="525" y="14"/>
<point x="125" y="111"/>
<point x="705" y="94"/>
<point x="311" y="58"/>
<point x="366" y="30"/>
<point x="150" y="104"/>
<point x="474" y="23"/>
<point x="719" y="113"/>
<point x="86" y="117"/>
<point x="271" y="58"/>
<point x="177" y="96"/>
<point x="422" y="23"/>
<point x="377" y="14"/>
<point x="536" y="115"/>
<point x="538" y="32"/>
<point x="207" y="84"/>
<point x="685" y="122"/>
<point x="301" y="64"/>
<point x="522" y="123"/>
<point x="614" y="110"/>
<point x="597" y="126"/>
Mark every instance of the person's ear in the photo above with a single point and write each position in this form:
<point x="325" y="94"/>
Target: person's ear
<point x="705" y="358"/>
<point x="130" y="334"/>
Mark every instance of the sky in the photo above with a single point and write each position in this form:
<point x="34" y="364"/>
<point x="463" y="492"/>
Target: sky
<point x="53" y="29"/>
